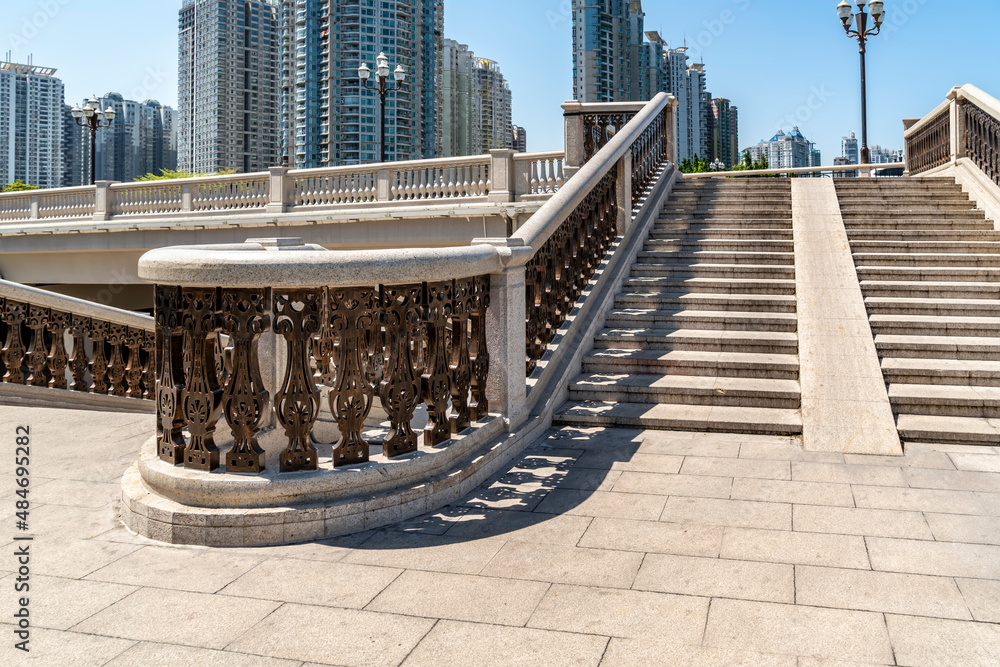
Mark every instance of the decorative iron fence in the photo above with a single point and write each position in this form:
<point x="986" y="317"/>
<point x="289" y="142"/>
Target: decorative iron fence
<point x="982" y="140"/>
<point x="930" y="147"/>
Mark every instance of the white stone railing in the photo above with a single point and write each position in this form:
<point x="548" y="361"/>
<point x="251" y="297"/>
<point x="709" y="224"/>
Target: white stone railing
<point x="540" y="174"/>
<point x="960" y="138"/>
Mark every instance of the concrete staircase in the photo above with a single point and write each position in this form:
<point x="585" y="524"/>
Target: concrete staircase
<point x="704" y="334"/>
<point x="929" y="266"/>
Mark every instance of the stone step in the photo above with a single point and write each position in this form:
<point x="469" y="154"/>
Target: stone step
<point x="927" y="325"/>
<point x="704" y="340"/>
<point x="948" y="430"/>
<point x="686" y="389"/>
<point x="938" y="347"/>
<point x="891" y="196"/>
<point x="724" y="419"/>
<point x="938" y="307"/>
<point x="921" y="246"/>
<point x="722" y="234"/>
<point x="923" y="235"/>
<point x="908" y="206"/>
<point x="728" y="198"/>
<point x="701" y="319"/>
<point x="710" y="285"/>
<point x="950" y="274"/>
<point x="699" y="245"/>
<point x="716" y="257"/>
<point x="706" y="301"/>
<point x="951" y="400"/>
<point x="926" y="259"/>
<point x="951" y="216"/>
<point x="736" y="271"/>
<point x="696" y="225"/>
<point x="734" y="210"/>
<point x="916" y="224"/>
<point x="688" y="362"/>
<point x="970" y="372"/>
<point x="929" y="290"/>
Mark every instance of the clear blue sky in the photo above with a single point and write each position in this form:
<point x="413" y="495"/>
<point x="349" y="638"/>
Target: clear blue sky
<point x="776" y="60"/>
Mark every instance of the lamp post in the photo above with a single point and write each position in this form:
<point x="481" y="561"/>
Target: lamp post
<point x="717" y="165"/>
<point x="382" y="72"/>
<point x="91" y="116"/>
<point x="862" y="32"/>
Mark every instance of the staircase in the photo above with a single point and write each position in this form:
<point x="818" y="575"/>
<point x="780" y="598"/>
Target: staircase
<point x="704" y="334"/>
<point x="929" y="266"/>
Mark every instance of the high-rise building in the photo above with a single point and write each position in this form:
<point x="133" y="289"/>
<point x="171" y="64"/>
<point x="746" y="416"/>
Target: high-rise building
<point x="723" y="131"/>
<point x="520" y="139"/>
<point x="849" y="148"/>
<point x="141" y="140"/>
<point x="607" y="46"/>
<point x="228" y="87"/>
<point x="32" y="102"/>
<point x="879" y="155"/>
<point x="327" y="116"/>
<point x="785" y="151"/>
<point x="75" y="151"/>
<point x="474" y="114"/>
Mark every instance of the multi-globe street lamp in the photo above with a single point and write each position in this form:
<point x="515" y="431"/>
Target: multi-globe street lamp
<point x="91" y="116"/>
<point x="862" y="32"/>
<point x="717" y="165"/>
<point x="382" y="72"/>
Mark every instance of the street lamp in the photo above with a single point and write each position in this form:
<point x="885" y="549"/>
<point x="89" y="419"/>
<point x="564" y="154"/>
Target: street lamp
<point x="717" y="165"/>
<point x="91" y="116"/>
<point x="382" y="71"/>
<point x="862" y="32"/>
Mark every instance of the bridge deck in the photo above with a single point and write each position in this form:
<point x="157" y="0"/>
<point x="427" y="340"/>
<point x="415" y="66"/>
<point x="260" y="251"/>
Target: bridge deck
<point x="596" y="546"/>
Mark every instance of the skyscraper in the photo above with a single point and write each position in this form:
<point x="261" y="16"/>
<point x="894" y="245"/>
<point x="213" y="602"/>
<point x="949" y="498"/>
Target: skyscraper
<point x="607" y="46"/>
<point x="520" y="139"/>
<point x="228" y="88"/>
<point x="31" y="125"/>
<point x="723" y="130"/>
<point x="141" y="140"/>
<point x="784" y="151"/>
<point x="327" y="117"/>
<point x="457" y="133"/>
<point x="849" y="148"/>
<point x="494" y="106"/>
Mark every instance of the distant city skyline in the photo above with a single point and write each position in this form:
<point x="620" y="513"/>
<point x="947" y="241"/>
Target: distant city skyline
<point x="811" y="82"/>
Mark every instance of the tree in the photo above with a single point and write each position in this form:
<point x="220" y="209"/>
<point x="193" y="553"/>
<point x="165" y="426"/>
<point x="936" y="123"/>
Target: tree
<point x="18" y="186"/>
<point x="170" y="174"/>
<point x="695" y="166"/>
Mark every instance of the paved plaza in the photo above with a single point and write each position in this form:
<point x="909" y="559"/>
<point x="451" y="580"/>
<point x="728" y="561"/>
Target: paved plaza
<point x="596" y="547"/>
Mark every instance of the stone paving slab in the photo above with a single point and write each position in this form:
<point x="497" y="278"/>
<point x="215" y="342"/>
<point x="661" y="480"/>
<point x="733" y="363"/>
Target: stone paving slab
<point x="596" y="547"/>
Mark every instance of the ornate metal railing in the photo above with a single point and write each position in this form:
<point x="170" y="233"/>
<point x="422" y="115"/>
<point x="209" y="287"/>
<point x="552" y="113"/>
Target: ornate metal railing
<point x="649" y="152"/>
<point x="55" y="347"/>
<point x="600" y="128"/>
<point x="982" y="140"/>
<point x="406" y="344"/>
<point x="930" y="146"/>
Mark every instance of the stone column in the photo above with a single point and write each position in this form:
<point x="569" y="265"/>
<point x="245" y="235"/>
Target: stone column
<point x="102" y="200"/>
<point x="573" y="120"/>
<point x="278" y="201"/>
<point x="34" y="207"/>
<point x="502" y="175"/>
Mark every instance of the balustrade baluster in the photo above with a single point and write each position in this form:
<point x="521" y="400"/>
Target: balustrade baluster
<point x="296" y="317"/>
<point x="399" y="389"/>
<point x="202" y="403"/>
<point x="434" y="383"/>
<point x="323" y="344"/>
<point x="245" y="316"/>
<point x="353" y="316"/>
<point x="99" y="361"/>
<point x="148" y="365"/>
<point x="38" y="354"/>
<point x="58" y="358"/>
<point x="479" y="354"/>
<point x="535" y="182"/>
<point x="459" y="366"/>
<point x="15" y="314"/>
<point x="78" y="361"/>
<point x="133" y="369"/>
<point x="170" y="368"/>
<point x="116" y="366"/>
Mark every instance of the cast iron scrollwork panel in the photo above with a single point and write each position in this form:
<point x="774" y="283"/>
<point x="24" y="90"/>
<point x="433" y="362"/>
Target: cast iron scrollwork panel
<point x="202" y="401"/>
<point x="599" y="129"/>
<point x="245" y="316"/>
<point x="169" y="375"/>
<point x="322" y="347"/>
<point x="133" y="369"/>
<point x="296" y="317"/>
<point x="117" y="340"/>
<point x="434" y="383"/>
<point x="459" y="367"/>
<point x="58" y="358"/>
<point x="148" y="364"/>
<point x="479" y="355"/>
<point x="38" y="353"/>
<point x="400" y="386"/>
<point x="982" y="139"/>
<point x="99" y="361"/>
<point x="78" y="361"/>
<point x="352" y="319"/>
<point x="14" y="316"/>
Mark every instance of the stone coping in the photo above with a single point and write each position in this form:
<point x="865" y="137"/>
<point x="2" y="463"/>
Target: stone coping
<point x="289" y="263"/>
<point x="69" y="304"/>
<point x="272" y="488"/>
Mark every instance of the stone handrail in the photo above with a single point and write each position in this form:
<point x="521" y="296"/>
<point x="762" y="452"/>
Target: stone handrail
<point x="73" y="344"/>
<point x="500" y="176"/>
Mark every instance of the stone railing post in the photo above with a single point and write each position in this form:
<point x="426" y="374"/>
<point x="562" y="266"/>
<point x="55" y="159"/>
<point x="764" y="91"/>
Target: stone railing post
<point x="573" y="121"/>
<point x="506" y="385"/>
<point x="278" y="200"/>
<point x="953" y="121"/>
<point x="623" y="192"/>
<point x="502" y="175"/>
<point x="34" y="207"/>
<point x="961" y="148"/>
<point x="187" y="199"/>
<point x="102" y="200"/>
<point x="384" y="186"/>
<point x="907" y="124"/>
<point x="522" y="178"/>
